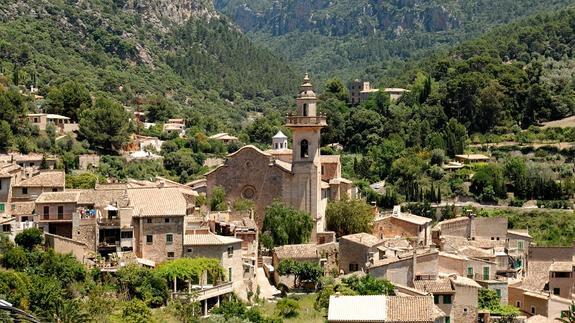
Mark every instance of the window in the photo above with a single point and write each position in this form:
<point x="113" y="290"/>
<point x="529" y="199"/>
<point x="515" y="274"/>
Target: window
<point x="353" y="267"/>
<point x="518" y="304"/>
<point x="435" y="299"/>
<point x="322" y="169"/>
<point x="304" y="110"/>
<point x="470" y="272"/>
<point x="230" y="274"/>
<point x="60" y="212"/>
<point x="230" y="251"/>
<point x="190" y="250"/>
<point x="520" y="245"/>
<point x="556" y="291"/>
<point x="448" y="319"/>
<point x="498" y="292"/>
<point x="485" y="273"/>
<point x="149" y="238"/>
<point x="1" y="207"/>
<point x="126" y="234"/>
<point x="167" y="220"/>
<point x="54" y="190"/>
<point x="532" y="309"/>
<point x="6" y="228"/>
<point x="46" y="212"/>
<point x="171" y="254"/>
<point x="446" y="299"/>
<point x="0" y="185"/>
<point x="304" y="147"/>
<point x="169" y="238"/>
<point x="559" y="274"/>
<point x="148" y="220"/>
<point x="24" y="190"/>
<point x="497" y="238"/>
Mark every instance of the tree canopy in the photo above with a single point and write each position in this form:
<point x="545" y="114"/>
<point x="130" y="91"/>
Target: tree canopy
<point x="285" y="225"/>
<point x="349" y="216"/>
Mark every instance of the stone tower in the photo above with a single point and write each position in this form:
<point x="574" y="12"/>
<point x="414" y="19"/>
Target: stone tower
<point x="305" y="124"/>
<point x="279" y="141"/>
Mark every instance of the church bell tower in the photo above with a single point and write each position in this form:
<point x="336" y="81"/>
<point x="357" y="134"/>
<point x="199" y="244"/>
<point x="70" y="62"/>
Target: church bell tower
<point x="305" y="124"/>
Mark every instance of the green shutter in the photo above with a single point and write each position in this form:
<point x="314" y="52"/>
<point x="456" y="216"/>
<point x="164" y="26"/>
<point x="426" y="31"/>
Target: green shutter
<point x="485" y="273"/>
<point x="1" y="207"/>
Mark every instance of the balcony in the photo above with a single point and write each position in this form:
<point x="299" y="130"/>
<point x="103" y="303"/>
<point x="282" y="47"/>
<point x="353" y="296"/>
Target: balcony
<point x="200" y="294"/>
<point x="109" y="222"/>
<point x="301" y="121"/>
<point x="52" y="217"/>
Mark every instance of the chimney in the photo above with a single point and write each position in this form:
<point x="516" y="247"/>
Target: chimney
<point x="162" y="184"/>
<point x="414" y="265"/>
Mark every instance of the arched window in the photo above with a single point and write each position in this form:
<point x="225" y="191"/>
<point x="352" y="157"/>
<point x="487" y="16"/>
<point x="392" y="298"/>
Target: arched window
<point x="304" y="146"/>
<point x="304" y="110"/>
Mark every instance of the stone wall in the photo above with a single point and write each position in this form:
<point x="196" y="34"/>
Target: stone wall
<point x="464" y="307"/>
<point x="64" y="245"/>
<point x="158" y="228"/>
<point x="352" y="253"/>
<point x="458" y="228"/>
<point x="489" y="228"/>
<point x="86" y="232"/>
<point x="551" y="253"/>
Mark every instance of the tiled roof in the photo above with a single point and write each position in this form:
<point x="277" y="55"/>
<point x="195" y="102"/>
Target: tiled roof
<point x="157" y="202"/>
<point x="561" y="266"/>
<point x="540" y="319"/>
<point x="518" y="232"/>
<point x="45" y="179"/>
<point x="442" y="285"/>
<point x="22" y="208"/>
<point x="474" y="252"/>
<point x="407" y="217"/>
<point x="58" y="197"/>
<point x="357" y="308"/>
<point x="329" y="159"/>
<point x="537" y="275"/>
<point x="104" y="197"/>
<point x="363" y="238"/>
<point x="410" y="309"/>
<point x="297" y="251"/>
<point x="464" y="281"/>
<point x="473" y="157"/>
<point x="208" y="239"/>
<point x="285" y="165"/>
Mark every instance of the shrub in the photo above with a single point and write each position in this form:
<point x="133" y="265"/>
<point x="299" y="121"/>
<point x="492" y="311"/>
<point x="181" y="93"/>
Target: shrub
<point x="29" y="238"/>
<point x="136" y="311"/>
<point x="287" y="308"/>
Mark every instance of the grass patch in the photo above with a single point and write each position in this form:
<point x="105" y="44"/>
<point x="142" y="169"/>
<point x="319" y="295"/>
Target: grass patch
<point x="307" y="313"/>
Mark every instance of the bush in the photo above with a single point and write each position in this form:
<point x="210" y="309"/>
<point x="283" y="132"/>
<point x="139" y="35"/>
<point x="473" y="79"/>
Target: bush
<point x="29" y="238"/>
<point x="287" y="308"/>
<point x="136" y="311"/>
<point x="516" y="202"/>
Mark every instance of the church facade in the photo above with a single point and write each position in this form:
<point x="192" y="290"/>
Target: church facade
<point x="300" y="177"/>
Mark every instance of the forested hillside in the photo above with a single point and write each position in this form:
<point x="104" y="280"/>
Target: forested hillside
<point x="133" y="50"/>
<point x="362" y="38"/>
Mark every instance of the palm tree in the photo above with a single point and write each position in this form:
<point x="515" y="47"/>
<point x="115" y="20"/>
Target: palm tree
<point x="68" y="312"/>
<point x="568" y="316"/>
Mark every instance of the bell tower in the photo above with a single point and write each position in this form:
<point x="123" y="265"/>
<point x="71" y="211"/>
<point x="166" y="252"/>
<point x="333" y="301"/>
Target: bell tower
<point x="305" y="124"/>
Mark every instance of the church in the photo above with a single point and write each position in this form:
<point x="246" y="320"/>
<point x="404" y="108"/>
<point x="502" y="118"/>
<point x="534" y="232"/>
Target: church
<point x="300" y="177"/>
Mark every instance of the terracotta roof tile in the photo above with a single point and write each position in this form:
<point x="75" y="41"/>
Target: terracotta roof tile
<point x="45" y="179"/>
<point x="22" y="208"/>
<point x="297" y="251"/>
<point x="537" y="275"/>
<point x="442" y="285"/>
<point x="363" y="238"/>
<point x="58" y="197"/>
<point x="410" y="309"/>
<point x="157" y="202"/>
<point x="208" y="239"/>
<point x="561" y="266"/>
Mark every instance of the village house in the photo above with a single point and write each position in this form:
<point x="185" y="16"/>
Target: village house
<point x="29" y="161"/>
<point x="252" y="174"/>
<point x="405" y="225"/>
<point x="224" y="138"/>
<point x="471" y="158"/>
<point x="358" y="251"/>
<point x="175" y="126"/>
<point x="361" y="91"/>
<point x="403" y="270"/>
<point x="46" y="181"/>
<point x="62" y="124"/>
<point x="158" y="222"/>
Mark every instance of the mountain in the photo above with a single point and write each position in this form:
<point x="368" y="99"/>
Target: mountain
<point x="133" y="49"/>
<point x="363" y="37"/>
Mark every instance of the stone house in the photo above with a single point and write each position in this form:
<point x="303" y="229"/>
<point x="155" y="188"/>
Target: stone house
<point x="29" y="161"/>
<point x="405" y="270"/>
<point x="29" y="189"/>
<point x="86" y="162"/>
<point x="227" y="250"/>
<point x="55" y="211"/>
<point x="9" y="175"/>
<point x="405" y="225"/>
<point x="298" y="252"/>
<point x="473" y="268"/>
<point x="158" y="222"/>
<point x="63" y="124"/>
<point x="358" y="251"/>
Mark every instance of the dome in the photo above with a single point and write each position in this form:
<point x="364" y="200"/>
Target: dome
<point x="279" y="135"/>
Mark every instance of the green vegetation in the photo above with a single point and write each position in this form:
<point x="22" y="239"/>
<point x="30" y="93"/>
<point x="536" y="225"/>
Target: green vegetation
<point x="353" y="285"/>
<point x="303" y="272"/>
<point x="489" y="300"/>
<point x="348" y="216"/>
<point x="285" y="225"/>
<point x="547" y="227"/>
